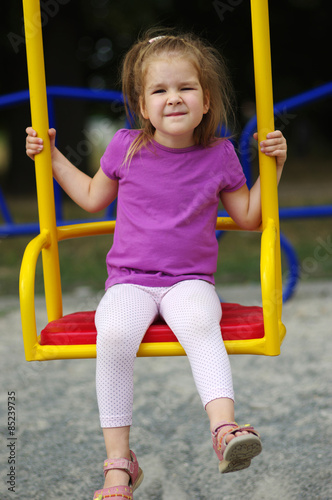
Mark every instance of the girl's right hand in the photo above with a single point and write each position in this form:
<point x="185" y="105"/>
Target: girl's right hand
<point x="34" y="144"/>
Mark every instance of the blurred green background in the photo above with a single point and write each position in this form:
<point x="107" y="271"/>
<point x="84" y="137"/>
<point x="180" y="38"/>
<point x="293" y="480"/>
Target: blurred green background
<point x="85" y="42"/>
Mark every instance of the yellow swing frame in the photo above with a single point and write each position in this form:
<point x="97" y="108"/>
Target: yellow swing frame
<point x="47" y="240"/>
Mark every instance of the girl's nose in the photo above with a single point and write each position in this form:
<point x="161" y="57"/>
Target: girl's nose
<point x="175" y="98"/>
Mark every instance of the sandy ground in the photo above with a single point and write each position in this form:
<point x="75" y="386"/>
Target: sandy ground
<point x="59" y="448"/>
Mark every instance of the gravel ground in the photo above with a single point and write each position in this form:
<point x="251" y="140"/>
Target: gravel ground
<point x="59" y="448"/>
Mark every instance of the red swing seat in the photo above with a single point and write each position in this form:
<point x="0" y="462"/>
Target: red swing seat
<point x="238" y="323"/>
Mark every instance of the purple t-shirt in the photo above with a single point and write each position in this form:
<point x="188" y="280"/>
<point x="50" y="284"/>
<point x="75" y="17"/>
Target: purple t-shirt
<point x="167" y="210"/>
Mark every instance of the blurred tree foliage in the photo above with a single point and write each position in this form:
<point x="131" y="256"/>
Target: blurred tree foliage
<point x="85" y="41"/>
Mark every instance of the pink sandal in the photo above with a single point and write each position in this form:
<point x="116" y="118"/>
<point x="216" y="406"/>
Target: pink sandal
<point x="135" y="474"/>
<point x="237" y="454"/>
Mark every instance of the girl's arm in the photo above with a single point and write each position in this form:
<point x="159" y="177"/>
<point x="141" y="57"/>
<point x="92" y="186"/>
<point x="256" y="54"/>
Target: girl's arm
<point x="91" y="194"/>
<point x="244" y="206"/>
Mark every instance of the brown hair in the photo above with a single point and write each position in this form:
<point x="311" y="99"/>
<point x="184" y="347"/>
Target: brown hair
<point x="212" y="73"/>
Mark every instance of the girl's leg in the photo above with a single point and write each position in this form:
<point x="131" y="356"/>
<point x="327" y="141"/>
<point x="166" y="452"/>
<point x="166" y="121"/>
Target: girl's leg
<point x="192" y="310"/>
<point x="122" y="318"/>
<point x="117" y="446"/>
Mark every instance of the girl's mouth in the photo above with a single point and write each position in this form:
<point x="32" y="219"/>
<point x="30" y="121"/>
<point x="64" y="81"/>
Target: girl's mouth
<point x="177" y="113"/>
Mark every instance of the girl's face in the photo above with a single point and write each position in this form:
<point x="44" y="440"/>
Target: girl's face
<point x="173" y="101"/>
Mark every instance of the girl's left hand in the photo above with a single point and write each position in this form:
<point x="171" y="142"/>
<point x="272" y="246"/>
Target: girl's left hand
<point x="274" y="145"/>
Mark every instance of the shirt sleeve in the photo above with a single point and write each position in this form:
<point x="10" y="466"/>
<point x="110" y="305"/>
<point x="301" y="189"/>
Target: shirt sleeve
<point x="115" y="153"/>
<point x="234" y="177"/>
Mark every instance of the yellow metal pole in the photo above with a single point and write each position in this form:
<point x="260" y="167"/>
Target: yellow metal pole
<point x="27" y="293"/>
<point x="265" y="124"/>
<point x="264" y="101"/>
<point x="43" y="165"/>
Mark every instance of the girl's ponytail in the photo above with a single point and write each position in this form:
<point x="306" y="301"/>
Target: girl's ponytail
<point x="131" y="87"/>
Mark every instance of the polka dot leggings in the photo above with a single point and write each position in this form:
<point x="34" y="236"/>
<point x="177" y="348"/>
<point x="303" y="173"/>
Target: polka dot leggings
<point x="192" y="310"/>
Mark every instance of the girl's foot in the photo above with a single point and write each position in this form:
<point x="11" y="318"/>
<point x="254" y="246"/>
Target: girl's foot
<point x="235" y="446"/>
<point x="116" y="477"/>
<point x="122" y="477"/>
<point x="229" y="428"/>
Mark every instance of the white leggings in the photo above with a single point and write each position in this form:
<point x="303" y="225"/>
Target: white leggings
<point x="192" y="310"/>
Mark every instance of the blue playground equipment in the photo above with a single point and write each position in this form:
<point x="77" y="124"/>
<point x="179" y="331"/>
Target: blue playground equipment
<point x="9" y="228"/>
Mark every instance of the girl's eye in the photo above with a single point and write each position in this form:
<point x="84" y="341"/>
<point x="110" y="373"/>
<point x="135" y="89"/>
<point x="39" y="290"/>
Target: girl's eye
<point x="159" y="91"/>
<point x="187" y="88"/>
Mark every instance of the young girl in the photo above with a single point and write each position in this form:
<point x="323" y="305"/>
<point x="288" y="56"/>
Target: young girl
<point x="168" y="176"/>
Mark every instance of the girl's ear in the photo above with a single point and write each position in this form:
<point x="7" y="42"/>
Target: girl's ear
<point x="206" y="105"/>
<point x="142" y="108"/>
